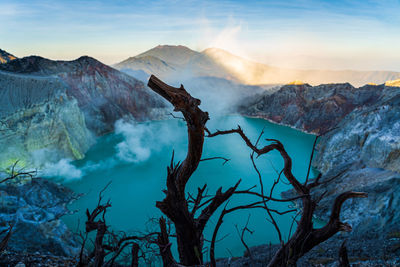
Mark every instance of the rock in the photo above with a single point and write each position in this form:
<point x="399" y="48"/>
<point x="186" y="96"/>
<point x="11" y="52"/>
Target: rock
<point x="37" y="114"/>
<point x="364" y="151"/>
<point x="35" y="208"/>
<point x="369" y="135"/>
<point x="360" y="146"/>
<point x="10" y="259"/>
<point x="60" y="106"/>
<point x="104" y="94"/>
<point x="314" y="109"/>
<point x="361" y="252"/>
<point x="5" y="57"/>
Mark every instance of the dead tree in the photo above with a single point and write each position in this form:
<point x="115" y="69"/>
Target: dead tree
<point x="176" y="206"/>
<point x="6" y="238"/>
<point x="306" y="236"/>
<point x="189" y="228"/>
<point x="107" y="242"/>
<point x="164" y="244"/>
<point x="343" y="257"/>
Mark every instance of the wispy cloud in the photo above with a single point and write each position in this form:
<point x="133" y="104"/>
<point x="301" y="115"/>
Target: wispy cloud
<point x="113" y="30"/>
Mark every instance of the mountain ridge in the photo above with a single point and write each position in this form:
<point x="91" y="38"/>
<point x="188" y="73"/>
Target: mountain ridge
<point x="220" y="63"/>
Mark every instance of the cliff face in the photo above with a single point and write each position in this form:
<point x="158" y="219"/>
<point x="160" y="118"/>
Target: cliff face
<point x="358" y="147"/>
<point x="369" y="136"/>
<point x="365" y="149"/>
<point x="37" y="114"/>
<point x="315" y="109"/>
<point x="59" y="106"/>
<point x="103" y="93"/>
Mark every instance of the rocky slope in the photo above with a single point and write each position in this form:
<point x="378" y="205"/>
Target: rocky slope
<point x="360" y="146"/>
<point x="34" y="207"/>
<point x="60" y="105"/>
<point x="5" y="57"/>
<point x="167" y="60"/>
<point x="37" y="115"/>
<point x="364" y="150"/>
<point x="103" y="93"/>
<point x="315" y="109"/>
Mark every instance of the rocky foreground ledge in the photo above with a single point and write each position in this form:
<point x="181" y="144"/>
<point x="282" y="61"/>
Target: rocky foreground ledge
<point x="34" y="207"/>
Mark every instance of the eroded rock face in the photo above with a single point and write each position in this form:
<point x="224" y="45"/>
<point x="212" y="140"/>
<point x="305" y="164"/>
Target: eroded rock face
<point x="368" y="135"/>
<point x="103" y="93"/>
<point x="314" y="109"/>
<point x="37" y="114"/>
<point x="60" y="106"/>
<point x="364" y="149"/>
<point x="34" y="208"/>
<point x="360" y="147"/>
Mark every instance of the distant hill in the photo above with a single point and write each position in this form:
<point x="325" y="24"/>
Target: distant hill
<point x="180" y="61"/>
<point x="137" y="74"/>
<point x="6" y="57"/>
<point x="148" y="64"/>
<point x="176" y="55"/>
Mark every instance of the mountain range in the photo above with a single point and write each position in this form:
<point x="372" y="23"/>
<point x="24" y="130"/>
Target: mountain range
<point x="178" y="62"/>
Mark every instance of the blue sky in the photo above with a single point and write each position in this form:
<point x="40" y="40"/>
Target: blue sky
<point x="298" y="34"/>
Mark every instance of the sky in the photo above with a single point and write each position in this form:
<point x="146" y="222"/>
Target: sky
<point x="363" y="35"/>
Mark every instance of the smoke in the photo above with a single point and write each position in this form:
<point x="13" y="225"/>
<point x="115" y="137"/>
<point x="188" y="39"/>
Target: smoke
<point x="136" y="138"/>
<point x="50" y="164"/>
<point x="137" y="143"/>
<point x="219" y="97"/>
<point x="140" y="140"/>
<point x="106" y="164"/>
<point x="63" y="168"/>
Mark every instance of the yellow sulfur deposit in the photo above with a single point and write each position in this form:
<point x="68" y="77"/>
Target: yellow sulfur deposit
<point x="296" y="82"/>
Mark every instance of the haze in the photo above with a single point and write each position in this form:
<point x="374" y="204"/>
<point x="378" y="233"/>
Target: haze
<point x="361" y="35"/>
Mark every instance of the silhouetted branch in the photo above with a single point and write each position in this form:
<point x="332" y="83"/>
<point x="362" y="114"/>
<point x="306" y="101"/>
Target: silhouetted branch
<point x="165" y="245"/>
<point x="276" y="145"/>
<point x="175" y="117"/>
<point x="343" y="257"/>
<point x="241" y="235"/>
<point x="212" y="158"/>
<point x="6" y="238"/>
<point x="311" y="158"/>
<point x="14" y="173"/>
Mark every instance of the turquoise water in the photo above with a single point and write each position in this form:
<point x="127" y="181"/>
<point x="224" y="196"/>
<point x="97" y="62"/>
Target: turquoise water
<point x="135" y="160"/>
